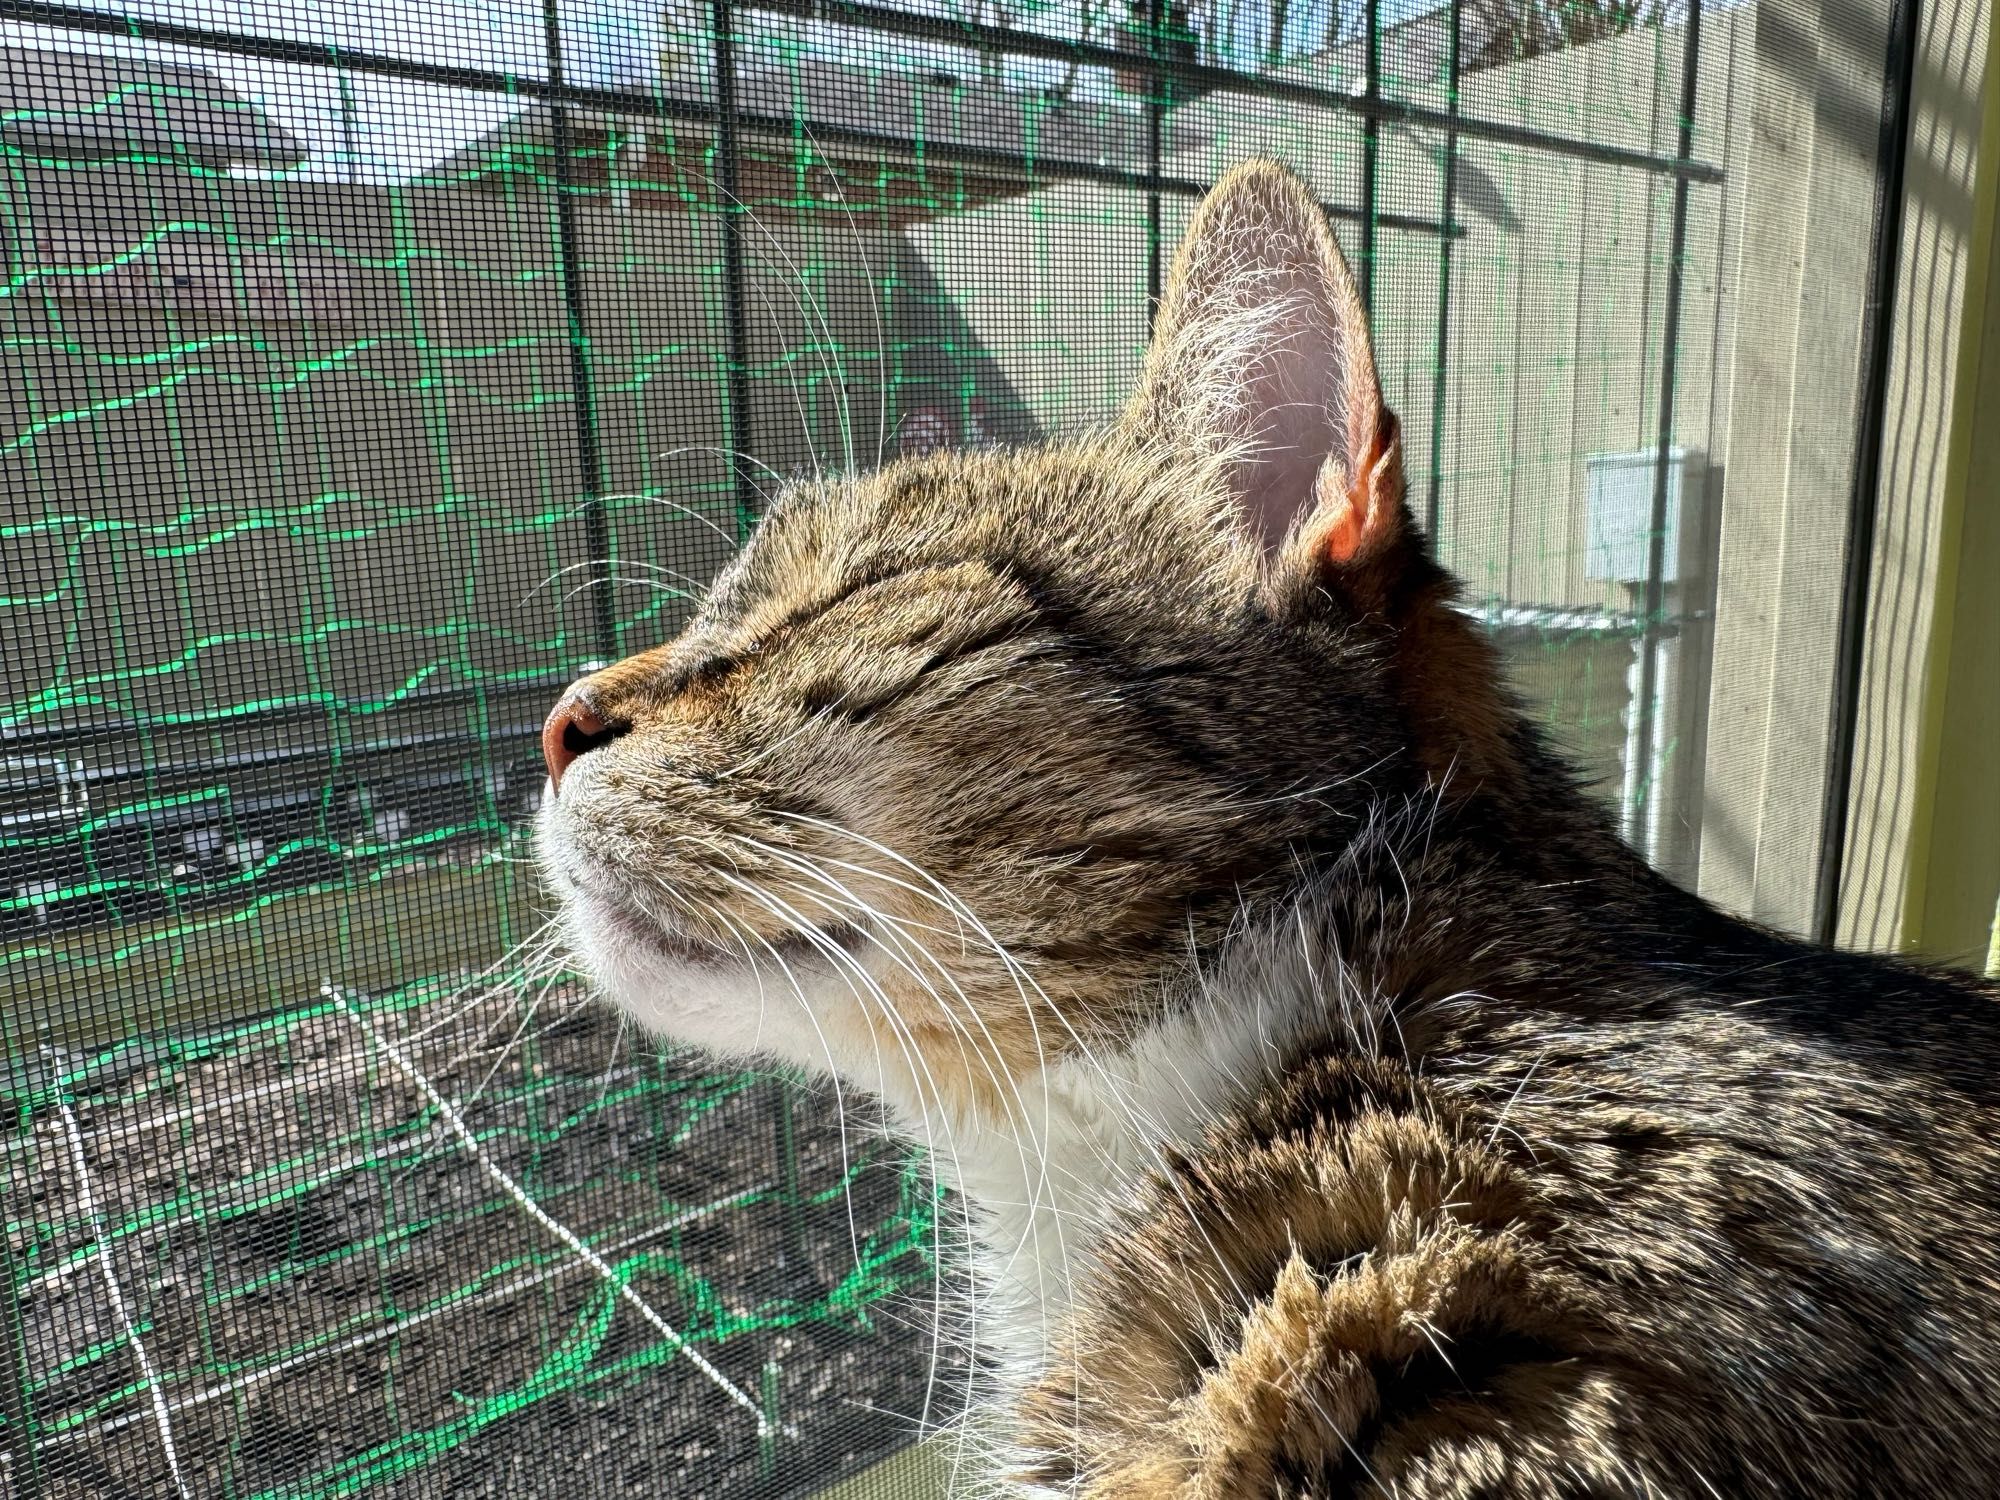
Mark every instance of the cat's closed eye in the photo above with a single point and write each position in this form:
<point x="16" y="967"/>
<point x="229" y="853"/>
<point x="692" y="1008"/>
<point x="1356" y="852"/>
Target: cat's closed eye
<point x="704" y="672"/>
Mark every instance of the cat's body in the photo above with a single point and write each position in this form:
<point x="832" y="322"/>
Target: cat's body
<point x="1340" y="1108"/>
<point x="1572" y="1191"/>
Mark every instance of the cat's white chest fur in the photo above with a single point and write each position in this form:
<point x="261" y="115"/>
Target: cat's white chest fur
<point x="1041" y="1187"/>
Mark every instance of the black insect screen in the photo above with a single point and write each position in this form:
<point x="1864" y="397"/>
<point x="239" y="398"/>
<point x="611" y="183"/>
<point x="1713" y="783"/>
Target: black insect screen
<point x="372" y="369"/>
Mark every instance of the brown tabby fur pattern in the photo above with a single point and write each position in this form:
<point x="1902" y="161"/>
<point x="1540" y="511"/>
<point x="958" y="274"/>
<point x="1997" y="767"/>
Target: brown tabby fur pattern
<point x="986" y="781"/>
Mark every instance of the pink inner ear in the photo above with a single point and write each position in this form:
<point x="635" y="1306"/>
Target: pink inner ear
<point x="1262" y="350"/>
<point x="1292" y="438"/>
<point x="1291" y="403"/>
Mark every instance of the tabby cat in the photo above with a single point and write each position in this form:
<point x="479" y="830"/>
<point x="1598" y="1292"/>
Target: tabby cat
<point x="1340" y="1108"/>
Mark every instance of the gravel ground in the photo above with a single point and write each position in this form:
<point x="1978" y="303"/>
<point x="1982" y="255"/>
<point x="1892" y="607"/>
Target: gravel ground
<point x="331" y="1294"/>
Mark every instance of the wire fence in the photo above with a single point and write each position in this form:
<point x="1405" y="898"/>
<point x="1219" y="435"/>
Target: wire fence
<point x="372" y="370"/>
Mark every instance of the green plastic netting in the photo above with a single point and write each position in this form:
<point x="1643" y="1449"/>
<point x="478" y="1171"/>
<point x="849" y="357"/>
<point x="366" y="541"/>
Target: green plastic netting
<point x="372" y="369"/>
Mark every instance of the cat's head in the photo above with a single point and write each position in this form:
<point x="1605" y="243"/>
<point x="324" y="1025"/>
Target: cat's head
<point x="960" y="758"/>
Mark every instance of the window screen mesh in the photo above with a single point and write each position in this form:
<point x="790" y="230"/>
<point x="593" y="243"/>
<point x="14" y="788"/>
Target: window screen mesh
<point x="372" y="369"/>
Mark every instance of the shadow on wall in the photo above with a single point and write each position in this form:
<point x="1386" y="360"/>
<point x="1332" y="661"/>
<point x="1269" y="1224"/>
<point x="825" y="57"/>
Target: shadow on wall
<point x="947" y="388"/>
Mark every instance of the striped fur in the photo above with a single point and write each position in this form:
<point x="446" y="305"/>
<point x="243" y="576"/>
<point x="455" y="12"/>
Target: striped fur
<point x="1339" y="1108"/>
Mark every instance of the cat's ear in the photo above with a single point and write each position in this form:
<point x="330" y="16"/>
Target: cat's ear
<point x="1261" y="354"/>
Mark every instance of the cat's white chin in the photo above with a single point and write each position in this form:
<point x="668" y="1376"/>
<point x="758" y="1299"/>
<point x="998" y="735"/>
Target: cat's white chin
<point x="691" y="991"/>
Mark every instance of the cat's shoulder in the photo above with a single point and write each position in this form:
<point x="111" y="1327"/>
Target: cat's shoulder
<point x="1347" y="1284"/>
<point x="1556" y="1259"/>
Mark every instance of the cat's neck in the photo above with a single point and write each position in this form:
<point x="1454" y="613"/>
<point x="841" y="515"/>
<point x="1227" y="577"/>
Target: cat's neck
<point x="1333" y="962"/>
<point x="1041" y="1180"/>
<point x="1042" y="1183"/>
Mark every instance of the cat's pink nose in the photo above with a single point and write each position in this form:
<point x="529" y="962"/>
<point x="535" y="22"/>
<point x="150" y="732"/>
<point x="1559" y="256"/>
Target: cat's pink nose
<point x="572" y="728"/>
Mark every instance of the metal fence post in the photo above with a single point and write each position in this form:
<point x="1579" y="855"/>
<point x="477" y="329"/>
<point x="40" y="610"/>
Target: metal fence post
<point x="736" y="414"/>
<point x="1156" y="108"/>
<point x="1654" y="606"/>
<point x="1878" y="332"/>
<point x="1371" y="153"/>
<point x="583" y="380"/>
<point x="1447" y="207"/>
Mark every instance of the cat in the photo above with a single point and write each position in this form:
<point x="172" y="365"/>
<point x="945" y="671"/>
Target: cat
<point x="1340" y="1108"/>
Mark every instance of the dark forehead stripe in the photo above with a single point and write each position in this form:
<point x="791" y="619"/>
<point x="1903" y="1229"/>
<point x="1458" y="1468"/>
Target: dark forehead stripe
<point x="1149" y="671"/>
<point x="805" y="613"/>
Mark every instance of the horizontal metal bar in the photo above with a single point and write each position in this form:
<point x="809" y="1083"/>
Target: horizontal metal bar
<point x="206" y="769"/>
<point x="890" y="22"/>
<point x="1053" y="168"/>
<point x="634" y="102"/>
<point x="248" y="44"/>
<point x="982" y="37"/>
<point x="81" y="734"/>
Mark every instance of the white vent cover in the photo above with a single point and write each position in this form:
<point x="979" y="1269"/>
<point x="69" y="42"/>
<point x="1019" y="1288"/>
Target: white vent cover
<point x="1618" y="514"/>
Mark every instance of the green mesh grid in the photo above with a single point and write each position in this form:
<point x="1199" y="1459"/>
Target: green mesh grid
<point x="372" y="370"/>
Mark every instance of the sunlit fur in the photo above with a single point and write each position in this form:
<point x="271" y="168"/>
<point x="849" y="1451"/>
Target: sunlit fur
<point x="1340" y="1109"/>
